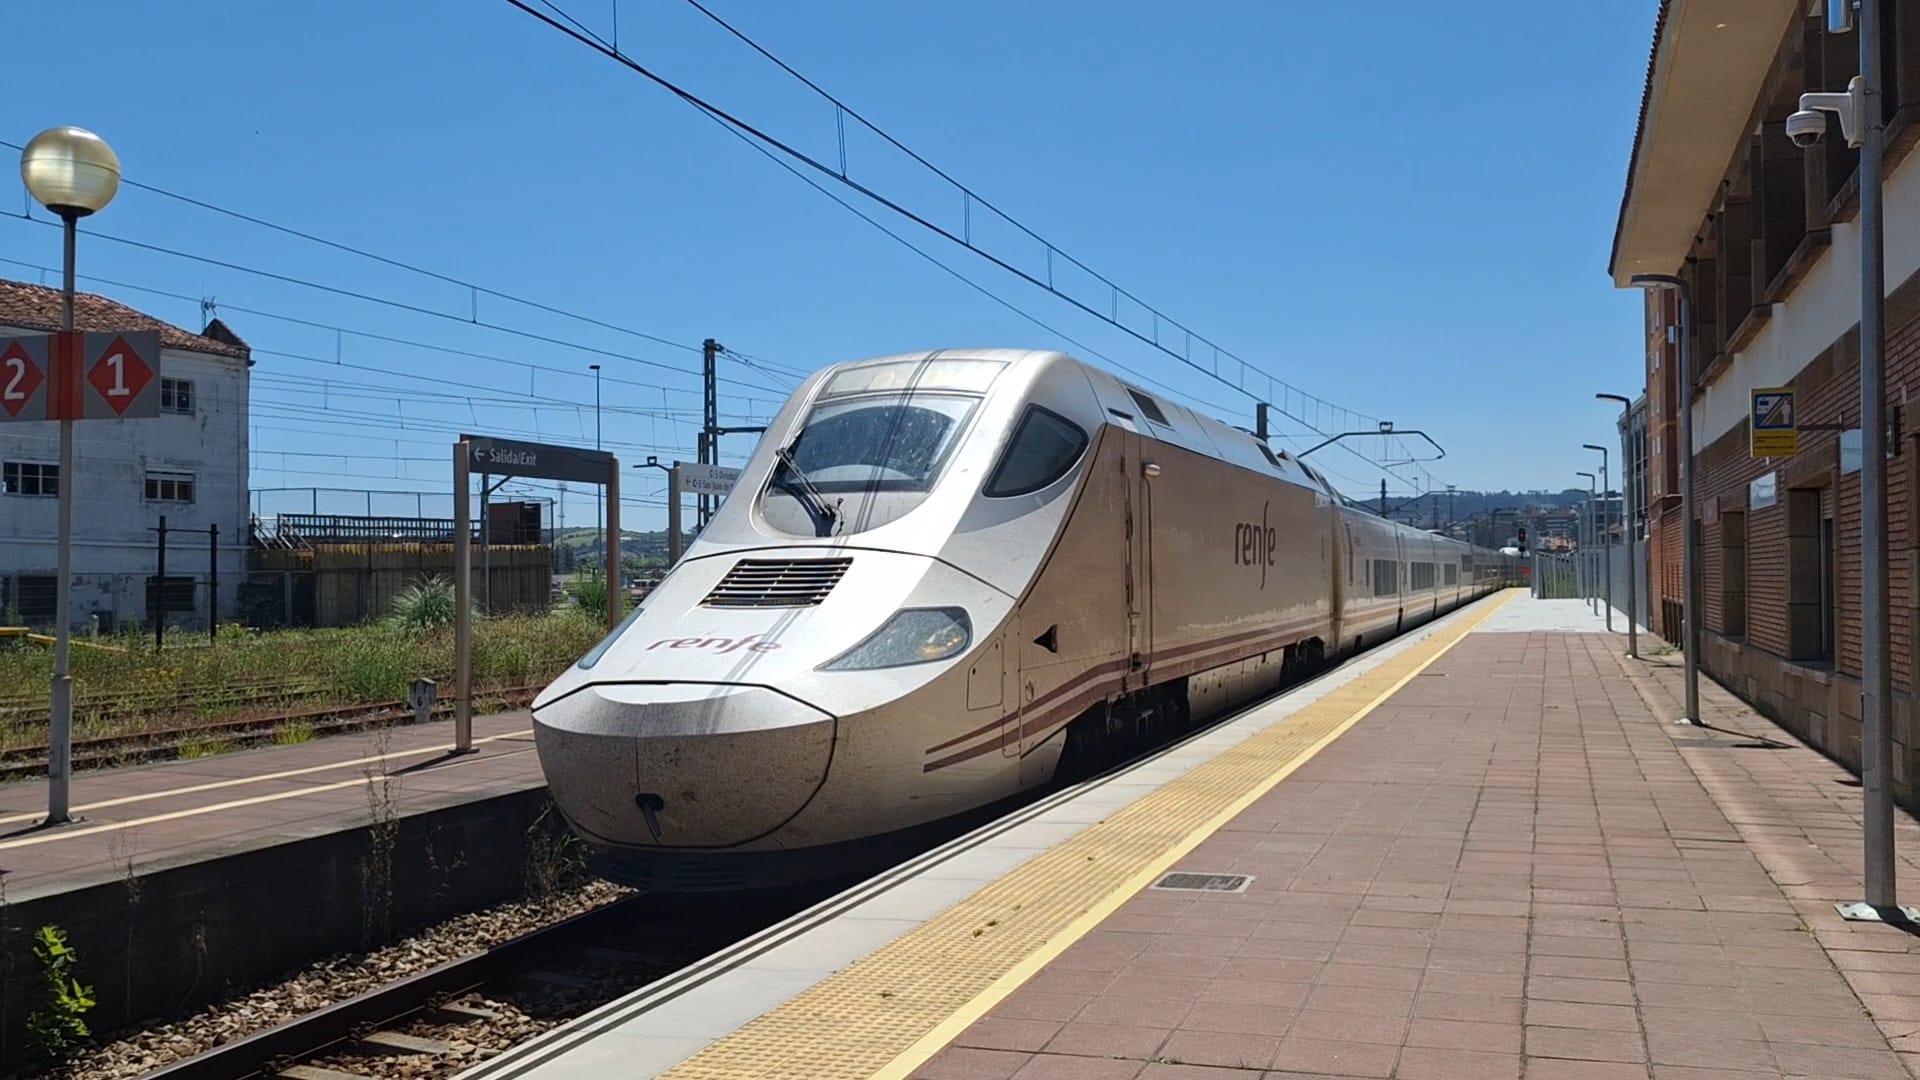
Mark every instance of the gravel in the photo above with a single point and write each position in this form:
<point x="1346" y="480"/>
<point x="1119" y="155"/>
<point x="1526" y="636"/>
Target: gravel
<point x="134" y="1053"/>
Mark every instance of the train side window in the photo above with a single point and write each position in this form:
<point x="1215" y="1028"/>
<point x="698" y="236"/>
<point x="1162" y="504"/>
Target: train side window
<point x="1042" y="449"/>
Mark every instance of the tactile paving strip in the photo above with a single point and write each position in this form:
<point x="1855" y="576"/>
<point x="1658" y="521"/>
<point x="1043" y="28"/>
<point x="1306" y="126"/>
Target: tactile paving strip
<point x="880" y="1015"/>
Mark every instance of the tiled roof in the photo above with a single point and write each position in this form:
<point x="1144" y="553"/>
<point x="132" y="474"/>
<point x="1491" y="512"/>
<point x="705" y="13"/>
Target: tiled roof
<point x="37" y="307"/>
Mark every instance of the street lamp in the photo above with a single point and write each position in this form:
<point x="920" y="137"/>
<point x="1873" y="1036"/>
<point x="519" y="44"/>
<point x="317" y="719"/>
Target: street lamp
<point x="1690" y="587"/>
<point x="1626" y="516"/>
<point x="1586" y="527"/>
<point x="73" y="173"/>
<point x="1606" y="536"/>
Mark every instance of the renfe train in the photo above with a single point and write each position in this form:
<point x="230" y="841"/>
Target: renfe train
<point x="942" y="580"/>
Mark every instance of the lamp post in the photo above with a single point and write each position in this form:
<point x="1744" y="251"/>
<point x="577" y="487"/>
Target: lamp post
<point x="1606" y="537"/>
<point x="73" y="173"/>
<point x="1586" y="541"/>
<point x="1690" y="588"/>
<point x="1626" y="519"/>
<point x="1863" y="121"/>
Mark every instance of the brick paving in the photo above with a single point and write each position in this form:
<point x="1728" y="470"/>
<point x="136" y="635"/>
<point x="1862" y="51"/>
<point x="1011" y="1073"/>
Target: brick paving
<point x="149" y="817"/>
<point x="1516" y="867"/>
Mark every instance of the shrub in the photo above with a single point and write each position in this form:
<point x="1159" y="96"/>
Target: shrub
<point x="426" y="605"/>
<point x="58" y="1023"/>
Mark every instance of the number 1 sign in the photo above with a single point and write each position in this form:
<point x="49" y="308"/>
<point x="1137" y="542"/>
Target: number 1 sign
<point x="122" y="376"/>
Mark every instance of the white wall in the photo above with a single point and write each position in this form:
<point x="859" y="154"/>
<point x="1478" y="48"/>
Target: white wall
<point x="1823" y="307"/>
<point x="111" y="515"/>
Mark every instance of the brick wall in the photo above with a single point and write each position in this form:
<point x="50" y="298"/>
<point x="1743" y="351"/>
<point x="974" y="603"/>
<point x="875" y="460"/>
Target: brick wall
<point x="1814" y="699"/>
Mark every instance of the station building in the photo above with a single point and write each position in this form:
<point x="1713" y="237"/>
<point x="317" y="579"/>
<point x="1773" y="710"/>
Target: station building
<point x="190" y="464"/>
<point x="1765" y="234"/>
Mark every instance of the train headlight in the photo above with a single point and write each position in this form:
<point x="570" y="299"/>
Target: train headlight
<point x="912" y="636"/>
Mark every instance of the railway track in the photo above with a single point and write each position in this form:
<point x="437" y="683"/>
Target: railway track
<point x="450" y="1017"/>
<point x="109" y="750"/>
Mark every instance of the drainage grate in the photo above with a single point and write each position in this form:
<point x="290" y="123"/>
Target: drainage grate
<point x="1204" y="882"/>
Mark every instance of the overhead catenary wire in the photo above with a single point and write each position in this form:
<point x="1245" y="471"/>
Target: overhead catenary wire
<point x="396" y="263"/>
<point x="764" y="139"/>
<point x="400" y="305"/>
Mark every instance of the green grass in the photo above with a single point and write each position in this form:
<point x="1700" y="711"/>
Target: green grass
<point x="245" y="673"/>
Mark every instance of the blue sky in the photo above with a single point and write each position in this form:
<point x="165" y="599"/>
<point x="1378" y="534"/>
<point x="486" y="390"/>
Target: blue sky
<point x="1402" y="207"/>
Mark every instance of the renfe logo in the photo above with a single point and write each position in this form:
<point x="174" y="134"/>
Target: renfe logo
<point x="719" y="644"/>
<point x="1253" y="544"/>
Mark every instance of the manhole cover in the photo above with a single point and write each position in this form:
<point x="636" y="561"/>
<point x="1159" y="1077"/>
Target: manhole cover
<point x="1204" y="882"/>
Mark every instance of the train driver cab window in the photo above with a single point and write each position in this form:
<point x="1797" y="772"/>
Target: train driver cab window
<point x="873" y="445"/>
<point x="1043" y="448"/>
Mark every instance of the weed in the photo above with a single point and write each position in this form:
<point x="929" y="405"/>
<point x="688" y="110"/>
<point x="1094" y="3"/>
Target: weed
<point x="555" y="857"/>
<point x="289" y="732"/>
<point x="204" y="746"/>
<point x="383" y="834"/>
<point x="57" y="1024"/>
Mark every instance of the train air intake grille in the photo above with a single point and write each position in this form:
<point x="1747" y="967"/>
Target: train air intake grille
<point x="777" y="583"/>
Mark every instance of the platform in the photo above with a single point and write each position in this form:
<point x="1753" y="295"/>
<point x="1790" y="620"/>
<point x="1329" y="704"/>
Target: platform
<point x="1482" y="851"/>
<point x="183" y="882"/>
<point x="167" y="814"/>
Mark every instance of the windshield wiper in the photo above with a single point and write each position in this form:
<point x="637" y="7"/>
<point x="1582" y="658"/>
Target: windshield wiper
<point x="815" y="503"/>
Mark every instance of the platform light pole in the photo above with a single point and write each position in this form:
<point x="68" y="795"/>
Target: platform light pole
<point x="1863" y="122"/>
<point x="1689" y="587"/>
<point x="1626" y="521"/>
<point x="72" y="172"/>
<point x="1606" y="538"/>
<point x="1586" y="543"/>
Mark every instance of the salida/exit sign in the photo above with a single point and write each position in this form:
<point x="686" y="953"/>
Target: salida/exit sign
<point x="74" y="375"/>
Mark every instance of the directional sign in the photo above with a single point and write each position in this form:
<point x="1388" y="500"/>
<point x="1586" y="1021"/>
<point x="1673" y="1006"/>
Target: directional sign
<point x="706" y="479"/>
<point x="23" y="377"/>
<point x="1773" y="430"/>
<point x="504" y="457"/>
<point x="121" y="373"/>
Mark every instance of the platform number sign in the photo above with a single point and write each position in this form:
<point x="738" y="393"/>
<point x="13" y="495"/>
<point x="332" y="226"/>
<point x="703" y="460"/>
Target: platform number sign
<point x="23" y="378"/>
<point x="80" y="376"/>
<point x="121" y="377"/>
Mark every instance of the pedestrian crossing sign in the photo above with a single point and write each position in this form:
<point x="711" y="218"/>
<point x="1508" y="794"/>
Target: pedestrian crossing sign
<point x="1773" y="430"/>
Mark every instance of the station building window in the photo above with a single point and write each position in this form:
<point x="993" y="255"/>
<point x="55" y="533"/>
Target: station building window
<point x="169" y="487"/>
<point x="1810" y="577"/>
<point x="1733" y="573"/>
<point x="29" y="478"/>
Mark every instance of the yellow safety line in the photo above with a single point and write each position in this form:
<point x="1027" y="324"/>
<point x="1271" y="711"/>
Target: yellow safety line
<point x="889" y="1012"/>
<point x="215" y="785"/>
<point x="212" y="808"/>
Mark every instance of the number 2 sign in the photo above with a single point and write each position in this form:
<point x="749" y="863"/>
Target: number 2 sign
<point x="23" y="378"/>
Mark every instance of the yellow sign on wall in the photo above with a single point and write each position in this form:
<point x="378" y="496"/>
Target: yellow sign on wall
<point x="1773" y="429"/>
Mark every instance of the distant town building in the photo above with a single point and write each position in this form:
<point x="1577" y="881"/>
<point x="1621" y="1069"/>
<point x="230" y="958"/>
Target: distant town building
<point x="189" y="464"/>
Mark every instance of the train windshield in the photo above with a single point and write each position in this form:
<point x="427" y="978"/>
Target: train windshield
<point x="873" y="446"/>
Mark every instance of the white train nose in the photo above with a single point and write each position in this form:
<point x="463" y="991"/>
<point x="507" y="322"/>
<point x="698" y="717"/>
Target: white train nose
<point x="682" y="765"/>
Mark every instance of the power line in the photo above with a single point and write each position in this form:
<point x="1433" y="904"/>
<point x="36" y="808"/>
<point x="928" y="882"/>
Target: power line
<point x="397" y="263"/>
<point x="401" y="305"/>
<point x="598" y="44"/>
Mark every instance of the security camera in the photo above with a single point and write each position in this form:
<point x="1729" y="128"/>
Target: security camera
<point x="1806" y="127"/>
